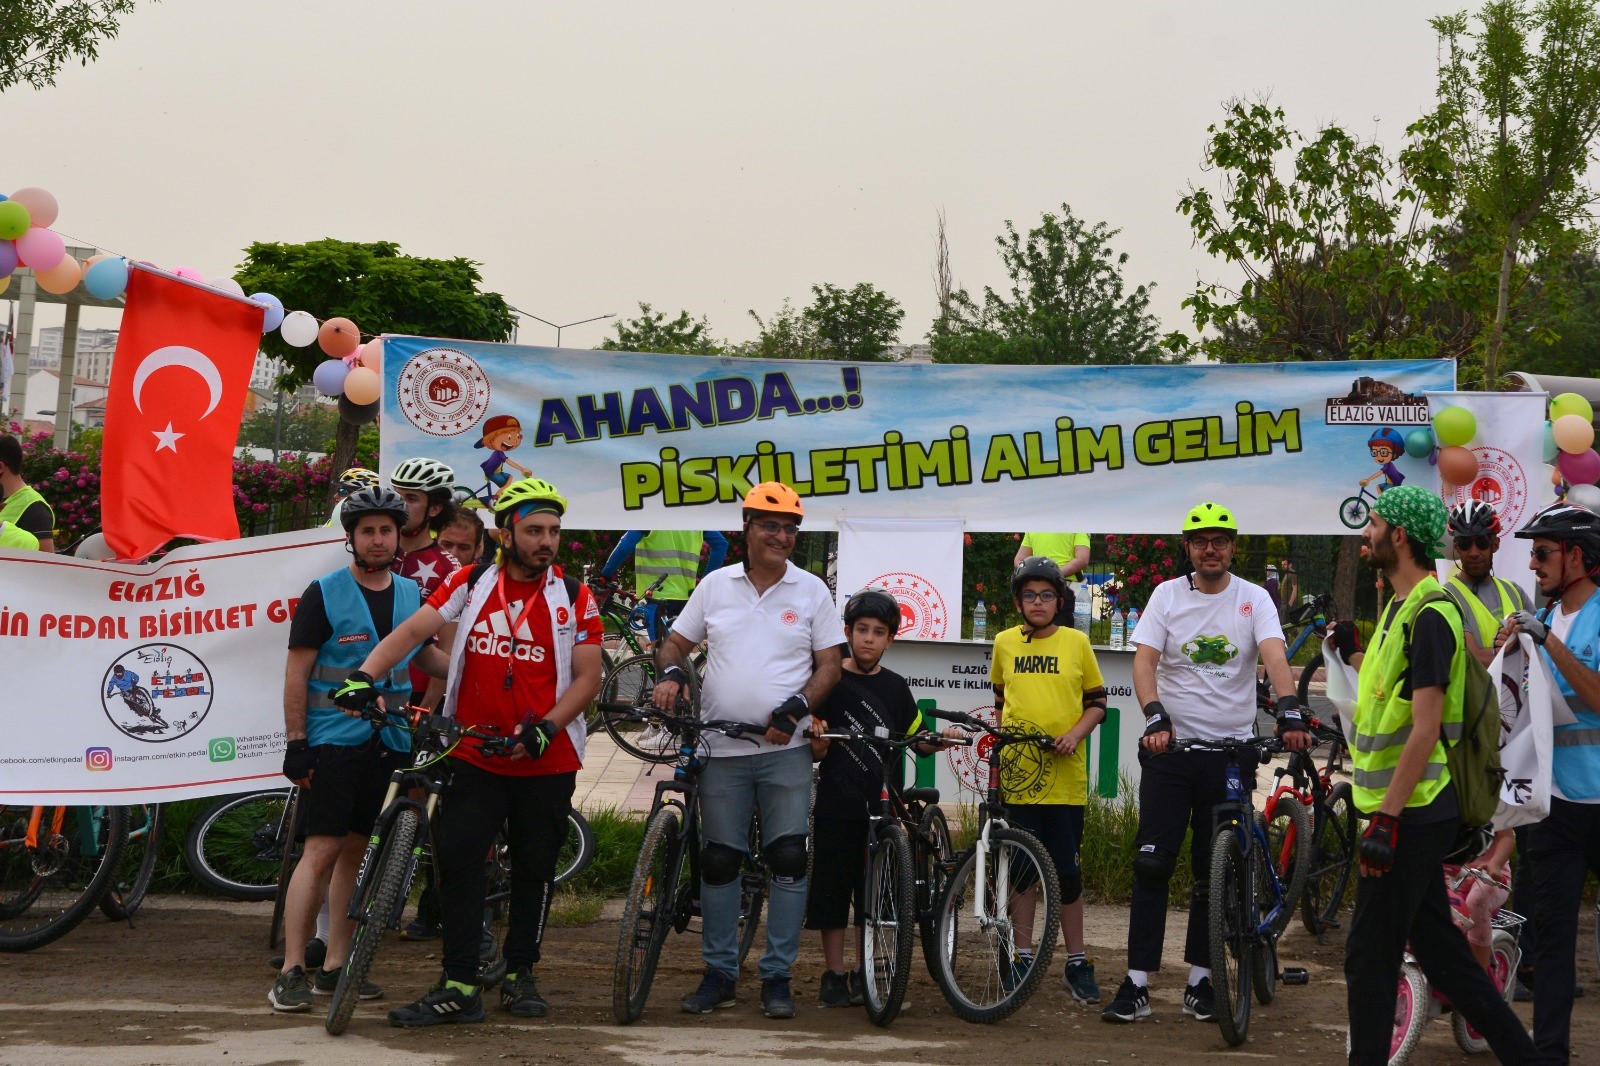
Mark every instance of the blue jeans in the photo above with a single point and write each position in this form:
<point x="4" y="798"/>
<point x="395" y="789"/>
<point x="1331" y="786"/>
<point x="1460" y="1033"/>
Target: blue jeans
<point x="731" y="788"/>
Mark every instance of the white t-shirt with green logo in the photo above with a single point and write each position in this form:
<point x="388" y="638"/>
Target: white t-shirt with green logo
<point x="1207" y="675"/>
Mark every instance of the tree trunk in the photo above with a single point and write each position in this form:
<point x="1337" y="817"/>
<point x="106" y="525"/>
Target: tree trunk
<point x="1502" y="308"/>
<point x="1346" y="572"/>
<point x="344" y="456"/>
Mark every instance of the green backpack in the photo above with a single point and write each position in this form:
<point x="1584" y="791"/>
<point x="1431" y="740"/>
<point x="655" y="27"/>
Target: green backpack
<point x="1474" y="760"/>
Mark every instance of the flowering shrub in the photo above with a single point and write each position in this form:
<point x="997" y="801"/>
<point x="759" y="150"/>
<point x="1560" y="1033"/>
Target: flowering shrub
<point x="69" y="482"/>
<point x="1139" y="562"/>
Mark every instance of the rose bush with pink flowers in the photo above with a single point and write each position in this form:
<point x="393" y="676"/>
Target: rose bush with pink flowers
<point x="1139" y="562"/>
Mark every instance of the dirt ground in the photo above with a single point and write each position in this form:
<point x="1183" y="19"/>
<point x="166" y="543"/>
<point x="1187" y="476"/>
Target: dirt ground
<point x="187" y="984"/>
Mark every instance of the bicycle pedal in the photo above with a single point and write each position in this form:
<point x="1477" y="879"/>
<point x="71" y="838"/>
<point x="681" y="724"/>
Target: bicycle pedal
<point x="1295" y="975"/>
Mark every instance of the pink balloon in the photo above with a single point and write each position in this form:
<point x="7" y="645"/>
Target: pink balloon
<point x="339" y="337"/>
<point x="41" y="248"/>
<point x="42" y="207"/>
<point x="190" y="273"/>
<point x="1580" y="469"/>
<point x="372" y="354"/>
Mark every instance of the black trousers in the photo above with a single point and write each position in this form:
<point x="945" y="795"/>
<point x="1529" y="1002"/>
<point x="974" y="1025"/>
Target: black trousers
<point x="475" y="805"/>
<point x="1409" y="904"/>
<point x="1565" y="849"/>
<point x="1177" y="792"/>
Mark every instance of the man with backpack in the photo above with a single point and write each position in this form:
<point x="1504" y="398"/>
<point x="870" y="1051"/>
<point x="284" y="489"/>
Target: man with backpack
<point x="1410" y="704"/>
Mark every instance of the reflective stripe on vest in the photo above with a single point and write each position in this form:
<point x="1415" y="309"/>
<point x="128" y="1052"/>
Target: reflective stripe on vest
<point x="1379" y="779"/>
<point x="1451" y="731"/>
<point x="670" y="553"/>
<point x="1571" y="738"/>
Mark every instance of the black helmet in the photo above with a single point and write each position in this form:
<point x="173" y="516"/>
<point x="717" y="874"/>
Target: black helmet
<point x="873" y="603"/>
<point x="378" y="500"/>
<point x="1038" y="568"/>
<point x="1565" y="522"/>
<point x="1474" y="519"/>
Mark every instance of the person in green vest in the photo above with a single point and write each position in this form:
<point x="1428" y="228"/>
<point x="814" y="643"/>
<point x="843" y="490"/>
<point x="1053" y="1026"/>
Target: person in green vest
<point x="1071" y="554"/>
<point x="17" y="539"/>
<point x="671" y="556"/>
<point x="23" y="506"/>
<point x="1409" y="701"/>
<point x="1484" y="600"/>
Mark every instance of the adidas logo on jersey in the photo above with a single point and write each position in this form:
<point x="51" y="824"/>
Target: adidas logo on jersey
<point x="490" y="636"/>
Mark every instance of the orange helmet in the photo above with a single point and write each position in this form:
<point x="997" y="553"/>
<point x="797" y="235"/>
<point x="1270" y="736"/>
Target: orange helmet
<point x="773" y="497"/>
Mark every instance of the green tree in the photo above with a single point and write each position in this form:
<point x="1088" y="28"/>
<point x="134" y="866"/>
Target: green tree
<point x="1068" y="303"/>
<point x="785" y="334"/>
<point x="42" y="36"/>
<point x="377" y="288"/>
<point x="858" y="323"/>
<point x="653" y="331"/>
<point x="307" y="427"/>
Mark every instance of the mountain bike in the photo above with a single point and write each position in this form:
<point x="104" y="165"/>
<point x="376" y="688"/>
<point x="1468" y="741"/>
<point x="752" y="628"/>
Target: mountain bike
<point x="55" y="864"/>
<point x="1333" y="830"/>
<point x="625" y="691"/>
<point x="1002" y="899"/>
<point x="243" y="846"/>
<point x="131" y="882"/>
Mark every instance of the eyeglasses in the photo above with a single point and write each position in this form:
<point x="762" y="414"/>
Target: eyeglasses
<point x="1047" y="596"/>
<point x="1542" y="554"/>
<point x="1480" y="542"/>
<point x="772" y="529"/>
<point x="1210" y="542"/>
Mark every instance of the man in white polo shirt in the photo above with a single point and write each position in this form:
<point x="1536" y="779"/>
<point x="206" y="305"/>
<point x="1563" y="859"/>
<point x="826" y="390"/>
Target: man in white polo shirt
<point x="773" y="653"/>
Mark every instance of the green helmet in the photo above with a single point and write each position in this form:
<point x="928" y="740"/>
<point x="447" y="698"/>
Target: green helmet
<point x="1209" y="516"/>
<point x="533" y="490"/>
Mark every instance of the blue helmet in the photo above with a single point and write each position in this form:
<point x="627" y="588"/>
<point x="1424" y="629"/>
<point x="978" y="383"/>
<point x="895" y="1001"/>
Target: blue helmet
<point x="1390" y="436"/>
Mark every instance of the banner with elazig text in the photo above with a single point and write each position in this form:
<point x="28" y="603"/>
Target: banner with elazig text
<point x="640" y="441"/>
<point x="151" y="682"/>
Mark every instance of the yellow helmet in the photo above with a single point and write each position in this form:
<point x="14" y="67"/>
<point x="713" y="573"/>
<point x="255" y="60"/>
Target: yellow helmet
<point x="1209" y="516"/>
<point x="532" y="490"/>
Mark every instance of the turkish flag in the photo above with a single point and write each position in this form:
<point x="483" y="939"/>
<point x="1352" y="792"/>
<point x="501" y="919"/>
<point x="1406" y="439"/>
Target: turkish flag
<point x="178" y="386"/>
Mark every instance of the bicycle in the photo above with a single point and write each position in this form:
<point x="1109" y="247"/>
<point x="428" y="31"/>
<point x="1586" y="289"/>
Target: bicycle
<point x="989" y="915"/>
<point x="625" y="691"/>
<point x="243" y="846"/>
<point x="1354" y="510"/>
<point x="55" y="864"/>
<point x="131" y="882"/>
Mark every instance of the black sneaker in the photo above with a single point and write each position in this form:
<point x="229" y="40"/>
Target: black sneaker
<point x="327" y="981"/>
<point x="1017" y="972"/>
<point x="776" y="1002"/>
<point x="858" y="989"/>
<point x="835" y="989"/>
<point x="520" y="996"/>
<point x="1200" y="1001"/>
<point x="1131" y="1003"/>
<point x="291" y="991"/>
<point x="440" y="1004"/>
<point x="420" y="930"/>
<point x="714" y="993"/>
<point x="316" y="953"/>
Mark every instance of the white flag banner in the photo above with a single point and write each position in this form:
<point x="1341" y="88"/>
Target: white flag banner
<point x="151" y="682"/>
<point x="916" y="561"/>
<point x="1526" y="738"/>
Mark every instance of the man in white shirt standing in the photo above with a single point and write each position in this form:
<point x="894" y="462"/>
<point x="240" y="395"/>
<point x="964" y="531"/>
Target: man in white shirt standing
<point x="774" y="635"/>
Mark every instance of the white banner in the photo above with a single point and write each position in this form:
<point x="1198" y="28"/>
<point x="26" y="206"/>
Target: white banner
<point x="1526" y="722"/>
<point x="917" y="562"/>
<point x="200" y="639"/>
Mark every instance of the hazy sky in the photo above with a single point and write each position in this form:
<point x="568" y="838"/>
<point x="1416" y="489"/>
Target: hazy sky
<point x="713" y="157"/>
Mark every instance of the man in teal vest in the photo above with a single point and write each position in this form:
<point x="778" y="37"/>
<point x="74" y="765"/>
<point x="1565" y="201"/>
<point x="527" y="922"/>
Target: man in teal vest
<point x="672" y="557"/>
<point x="1409" y="704"/>
<point x="341" y="761"/>
<point x="23" y="506"/>
<point x="1483" y="599"/>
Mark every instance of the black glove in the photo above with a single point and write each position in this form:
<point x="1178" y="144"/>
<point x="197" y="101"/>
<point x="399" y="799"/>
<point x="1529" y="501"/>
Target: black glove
<point x="1156" y="719"/>
<point x="1529" y="623"/>
<point x="356" y="692"/>
<point x="299" y="760"/>
<point x="537" y="737"/>
<point x="1346" y="638"/>
<point x="1291" y="717"/>
<point x="789" y="713"/>
<point x="1377" y="843"/>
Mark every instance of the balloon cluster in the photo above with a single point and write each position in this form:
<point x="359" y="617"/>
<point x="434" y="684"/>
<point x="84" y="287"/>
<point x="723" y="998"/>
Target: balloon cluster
<point x="1569" y="440"/>
<point x="353" y="371"/>
<point x="26" y="239"/>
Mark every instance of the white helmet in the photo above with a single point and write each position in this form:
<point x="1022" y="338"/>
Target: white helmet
<point x="424" y="475"/>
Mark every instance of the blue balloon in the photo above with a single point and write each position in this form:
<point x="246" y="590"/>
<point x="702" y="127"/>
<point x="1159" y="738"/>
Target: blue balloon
<point x="329" y="377"/>
<point x="107" y="279"/>
<point x="274" y="317"/>
<point x="1550" y="449"/>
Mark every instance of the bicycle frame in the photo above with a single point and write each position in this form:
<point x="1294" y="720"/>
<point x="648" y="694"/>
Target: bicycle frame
<point x="1234" y="814"/>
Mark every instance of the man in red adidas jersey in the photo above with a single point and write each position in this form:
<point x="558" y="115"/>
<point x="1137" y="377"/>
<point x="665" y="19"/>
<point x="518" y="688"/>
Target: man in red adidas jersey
<point x="526" y="662"/>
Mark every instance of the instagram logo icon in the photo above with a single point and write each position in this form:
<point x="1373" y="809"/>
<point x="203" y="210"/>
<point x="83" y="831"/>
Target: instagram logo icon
<point x="97" y="758"/>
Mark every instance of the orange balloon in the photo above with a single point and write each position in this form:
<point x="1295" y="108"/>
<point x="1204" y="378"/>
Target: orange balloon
<point x="372" y="354"/>
<point x="338" y="337"/>
<point x="93" y="259"/>
<point x="362" y="386"/>
<point x="1458" y="465"/>
<point x="61" y="278"/>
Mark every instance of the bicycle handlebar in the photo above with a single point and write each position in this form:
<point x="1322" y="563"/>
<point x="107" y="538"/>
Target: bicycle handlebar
<point x="971" y="721"/>
<point x="1264" y="745"/>
<point x="681" y="724"/>
<point x="885" y="740"/>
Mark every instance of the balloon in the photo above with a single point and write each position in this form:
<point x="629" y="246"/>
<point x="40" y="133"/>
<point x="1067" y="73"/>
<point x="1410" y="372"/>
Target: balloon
<point x="372" y="354"/>
<point x="1454" y="426"/>
<point x="8" y="258"/>
<point x="329" y="377"/>
<point x="274" y="308"/>
<point x="1550" y="449"/>
<point x="42" y="207"/>
<point x="106" y="279"/>
<point x="40" y="248"/>
<point x="299" y="329"/>
<point x="95" y="258"/>
<point x="1573" y="433"/>
<point x="189" y="273"/>
<point x="1584" y="496"/>
<point x="14" y="221"/>
<point x="61" y="278"/>
<point x="227" y="285"/>
<point x="357" y="414"/>
<point x="1568" y="403"/>
<point x="363" y="386"/>
<point x="1580" y="469"/>
<point x="339" y="337"/>
<point x="1457" y="465"/>
<point x="1420" y="443"/>
<point x="5" y="283"/>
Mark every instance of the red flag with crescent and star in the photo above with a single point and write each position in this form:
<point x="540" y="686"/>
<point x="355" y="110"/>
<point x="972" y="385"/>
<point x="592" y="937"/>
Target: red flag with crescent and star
<point x="178" y="387"/>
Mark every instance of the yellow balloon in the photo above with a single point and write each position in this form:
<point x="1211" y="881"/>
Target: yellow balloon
<point x="5" y="283"/>
<point x="1570" y="403"/>
<point x="61" y="278"/>
<point x="362" y="385"/>
<point x="1574" y="434"/>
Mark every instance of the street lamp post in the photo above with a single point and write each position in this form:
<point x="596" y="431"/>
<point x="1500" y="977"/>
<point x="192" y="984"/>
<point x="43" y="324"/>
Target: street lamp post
<point x="559" y="327"/>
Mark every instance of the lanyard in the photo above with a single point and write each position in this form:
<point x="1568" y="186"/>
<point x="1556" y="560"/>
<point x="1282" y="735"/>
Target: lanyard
<point x="512" y="619"/>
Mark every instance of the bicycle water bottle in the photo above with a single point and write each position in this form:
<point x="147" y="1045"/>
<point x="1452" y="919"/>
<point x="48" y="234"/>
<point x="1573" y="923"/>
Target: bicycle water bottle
<point x="980" y="622"/>
<point x="1080" y="612"/>
<point x="1133" y="620"/>
<point x="1117" y="633"/>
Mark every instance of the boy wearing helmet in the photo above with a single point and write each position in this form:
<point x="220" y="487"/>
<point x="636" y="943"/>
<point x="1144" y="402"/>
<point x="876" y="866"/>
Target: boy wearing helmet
<point x="1484" y="600"/>
<point x="774" y="638"/>
<point x="1046" y="680"/>
<point x="1386" y="445"/>
<point x="868" y="697"/>
<point x="1194" y="673"/>
<point x="425" y="486"/>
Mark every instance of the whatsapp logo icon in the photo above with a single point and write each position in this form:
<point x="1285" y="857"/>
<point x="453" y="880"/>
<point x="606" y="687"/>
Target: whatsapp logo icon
<point x="221" y="749"/>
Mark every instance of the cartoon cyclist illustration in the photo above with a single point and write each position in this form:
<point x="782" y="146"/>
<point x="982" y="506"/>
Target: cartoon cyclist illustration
<point x="500" y="434"/>
<point x="1386" y="445"/>
<point x="126" y="682"/>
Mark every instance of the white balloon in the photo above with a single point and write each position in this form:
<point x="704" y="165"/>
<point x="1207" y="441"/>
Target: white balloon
<point x="1585" y="496"/>
<point x="227" y="285"/>
<point x="94" y="547"/>
<point x="299" y="329"/>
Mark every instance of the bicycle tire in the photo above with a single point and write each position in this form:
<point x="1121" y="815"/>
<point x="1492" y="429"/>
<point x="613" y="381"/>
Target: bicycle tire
<point x="662" y="861"/>
<point x="380" y="904"/>
<point x="1410" y="1013"/>
<point x="235" y="848"/>
<point x="631" y="682"/>
<point x="752" y="899"/>
<point x="128" y="888"/>
<point x="1333" y="851"/>
<point x="1302" y="688"/>
<point x="1264" y="969"/>
<point x="889" y="900"/>
<point x="577" y="852"/>
<point x="75" y="879"/>
<point x="931" y="866"/>
<point x="1503" y="958"/>
<point x="1288" y="834"/>
<point x="1353" y="512"/>
<point x="1230" y="911"/>
<point x="968" y="972"/>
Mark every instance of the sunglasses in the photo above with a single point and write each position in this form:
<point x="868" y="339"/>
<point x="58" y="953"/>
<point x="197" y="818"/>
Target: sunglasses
<point x="1479" y="542"/>
<point x="772" y="529"/>
<point x="1210" y="542"/>
<point x="1542" y="554"/>
<point x="1031" y="596"/>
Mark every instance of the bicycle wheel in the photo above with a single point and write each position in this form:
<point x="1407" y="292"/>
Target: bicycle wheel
<point x="1302" y="688"/>
<point x="890" y="904"/>
<point x="1289" y="849"/>
<point x="1231" y="924"/>
<point x="978" y="967"/>
<point x="631" y="682"/>
<point x="933" y="853"/>
<point x="1353" y="512"/>
<point x="577" y="852"/>
<point x="380" y="905"/>
<point x="496" y="911"/>
<point x="1410" y="1013"/>
<point x="1503" y="957"/>
<point x="649" y="912"/>
<point x="138" y="867"/>
<point x="1264" y="951"/>
<point x="752" y="898"/>
<point x="236" y="848"/>
<point x="50" y="886"/>
<point x="1333" y="846"/>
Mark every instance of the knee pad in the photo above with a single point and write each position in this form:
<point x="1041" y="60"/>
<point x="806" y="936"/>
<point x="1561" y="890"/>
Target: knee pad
<point x="786" y="857"/>
<point x="719" y="864"/>
<point x="1152" y="867"/>
<point x="1071" y="888"/>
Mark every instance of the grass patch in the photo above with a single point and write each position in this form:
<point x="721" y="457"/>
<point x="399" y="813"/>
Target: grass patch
<point x="618" y="836"/>
<point x="572" y="908"/>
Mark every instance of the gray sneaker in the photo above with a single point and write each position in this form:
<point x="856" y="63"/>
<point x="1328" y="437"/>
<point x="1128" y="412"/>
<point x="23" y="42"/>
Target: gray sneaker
<point x="291" y="991"/>
<point x="327" y="981"/>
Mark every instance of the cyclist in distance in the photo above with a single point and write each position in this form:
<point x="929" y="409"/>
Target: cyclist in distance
<point x="672" y="554"/>
<point x="352" y="480"/>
